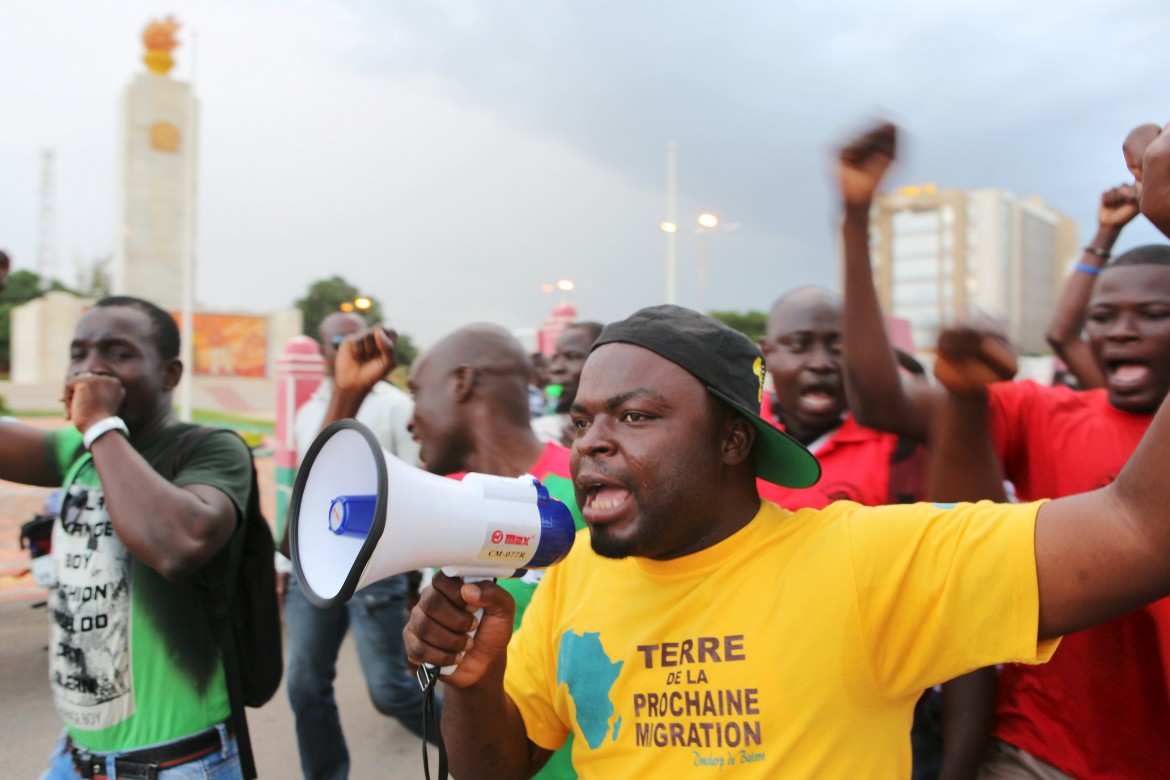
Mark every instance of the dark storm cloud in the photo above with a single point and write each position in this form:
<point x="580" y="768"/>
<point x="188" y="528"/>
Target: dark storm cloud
<point x="1034" y="98"/>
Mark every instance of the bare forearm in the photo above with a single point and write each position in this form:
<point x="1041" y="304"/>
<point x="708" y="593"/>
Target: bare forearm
<point x="963" y="463"/>
<point x="485" y="735"/>
<point x="876" y="395"/>
<point x="968" y="714"/>
<point x="23" y="456"/>
<point x="1144" y="492"/>
<point x="1069" y="318"/>
<point x="343" y="404"/>
<point x="1102" y="554"/>
<point x="170" y="529"/>
<point x="1065" y="334"/>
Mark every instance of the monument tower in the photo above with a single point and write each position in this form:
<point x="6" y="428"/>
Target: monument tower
<point x="156" y="171"/>
<point x="227" y="358"/>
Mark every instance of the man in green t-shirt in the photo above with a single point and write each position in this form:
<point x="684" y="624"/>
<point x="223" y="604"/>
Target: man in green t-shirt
<point x="471" y="414"/>
<point x="133" y="663"/>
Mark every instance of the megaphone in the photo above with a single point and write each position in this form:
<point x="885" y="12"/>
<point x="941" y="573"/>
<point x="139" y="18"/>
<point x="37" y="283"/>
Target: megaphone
<point x="359" y="515"/>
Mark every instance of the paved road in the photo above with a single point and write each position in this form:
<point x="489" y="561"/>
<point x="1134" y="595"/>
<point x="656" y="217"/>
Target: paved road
<point x="379" y="747"/>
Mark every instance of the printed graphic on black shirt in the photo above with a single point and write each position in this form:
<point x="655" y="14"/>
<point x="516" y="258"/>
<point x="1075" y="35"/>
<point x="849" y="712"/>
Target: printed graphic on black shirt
<point x="89" y="664"/>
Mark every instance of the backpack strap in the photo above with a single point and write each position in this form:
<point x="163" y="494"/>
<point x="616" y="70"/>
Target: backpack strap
<point x="73" y="471"/>
<point x="219" y="572"/>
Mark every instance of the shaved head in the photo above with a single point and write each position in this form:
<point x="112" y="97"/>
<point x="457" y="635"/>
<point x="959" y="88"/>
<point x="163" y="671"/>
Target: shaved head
<point x="472" y="384"/>
<point x="487" y="348"/>
<point x="802" y="349"/>
<point x="795" y="305"/>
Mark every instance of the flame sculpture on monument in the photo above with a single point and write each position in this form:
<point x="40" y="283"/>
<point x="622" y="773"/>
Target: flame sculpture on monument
<point x="159" y="38"/>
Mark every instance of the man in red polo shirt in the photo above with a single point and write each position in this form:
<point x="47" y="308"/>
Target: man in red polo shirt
<point x="802" y="349"/>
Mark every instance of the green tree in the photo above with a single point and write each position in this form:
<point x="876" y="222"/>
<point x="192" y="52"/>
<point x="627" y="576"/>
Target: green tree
<point x="23" y="286"/>
<point x="326" y="297"/>
<point x="752" y="324"/>
<point x="405" y="350"/>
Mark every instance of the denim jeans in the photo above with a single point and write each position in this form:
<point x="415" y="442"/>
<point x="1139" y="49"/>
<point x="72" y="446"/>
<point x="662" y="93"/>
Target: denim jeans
<point x="221" y="765"/>
<point x="377" y="615"/>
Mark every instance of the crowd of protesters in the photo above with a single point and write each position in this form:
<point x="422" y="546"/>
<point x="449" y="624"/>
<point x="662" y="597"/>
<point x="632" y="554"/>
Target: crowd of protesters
<point x="783" y="567"/>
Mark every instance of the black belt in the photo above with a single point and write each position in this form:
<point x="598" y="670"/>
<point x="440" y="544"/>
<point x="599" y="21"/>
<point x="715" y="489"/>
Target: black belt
<point x="144" y="764"/>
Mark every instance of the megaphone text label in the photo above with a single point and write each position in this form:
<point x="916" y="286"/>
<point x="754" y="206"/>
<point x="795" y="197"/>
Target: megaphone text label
<point x="508" y="543"/>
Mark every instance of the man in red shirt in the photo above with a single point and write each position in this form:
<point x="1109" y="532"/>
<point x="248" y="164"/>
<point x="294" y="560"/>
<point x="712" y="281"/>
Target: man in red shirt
<point x="1085" y="714"/>
<point x="802" y="349"/>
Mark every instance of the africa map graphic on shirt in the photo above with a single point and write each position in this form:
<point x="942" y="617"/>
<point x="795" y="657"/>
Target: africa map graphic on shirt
<point x="583" y="666"/>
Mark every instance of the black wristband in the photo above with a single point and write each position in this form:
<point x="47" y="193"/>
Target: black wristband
<point x="1098" y="251"/>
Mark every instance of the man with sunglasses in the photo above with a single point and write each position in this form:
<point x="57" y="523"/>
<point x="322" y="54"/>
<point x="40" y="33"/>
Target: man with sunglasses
<point x="356" y="360"/>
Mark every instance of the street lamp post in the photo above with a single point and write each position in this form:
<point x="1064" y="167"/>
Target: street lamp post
<point x="670" y="226"/>
<point x="707" y="223"/>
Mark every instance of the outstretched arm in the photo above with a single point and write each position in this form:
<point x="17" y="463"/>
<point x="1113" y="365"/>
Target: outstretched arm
<point x="1102" y="554"/>
<point x="877" y="397"/>
<point x="1099" y="555"/>
<point x="1118" y="206"/>
<point x="24" y="456"/>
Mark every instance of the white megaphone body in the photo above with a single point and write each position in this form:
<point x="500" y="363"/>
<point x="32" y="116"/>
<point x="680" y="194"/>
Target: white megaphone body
<point x="359" y="515"/>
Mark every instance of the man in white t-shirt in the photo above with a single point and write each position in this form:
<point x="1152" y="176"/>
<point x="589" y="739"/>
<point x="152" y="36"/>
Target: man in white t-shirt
<point x="378" y="613"/>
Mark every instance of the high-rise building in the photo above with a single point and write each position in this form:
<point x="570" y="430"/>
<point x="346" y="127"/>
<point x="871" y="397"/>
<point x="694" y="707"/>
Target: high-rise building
<point x="944" y="255"/>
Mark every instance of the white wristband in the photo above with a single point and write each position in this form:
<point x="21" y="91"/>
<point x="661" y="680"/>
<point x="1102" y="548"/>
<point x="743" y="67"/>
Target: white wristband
<point x="101" y="428"/>
<point x="282" y="563"/>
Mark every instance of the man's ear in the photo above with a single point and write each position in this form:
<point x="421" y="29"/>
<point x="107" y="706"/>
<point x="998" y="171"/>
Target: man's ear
<point x="464" y="380"/>
<point x="172" y="373"/>
<point x="739" y="436"/>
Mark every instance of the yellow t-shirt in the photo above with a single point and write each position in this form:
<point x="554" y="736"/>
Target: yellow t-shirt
<point x="794" y="649"/>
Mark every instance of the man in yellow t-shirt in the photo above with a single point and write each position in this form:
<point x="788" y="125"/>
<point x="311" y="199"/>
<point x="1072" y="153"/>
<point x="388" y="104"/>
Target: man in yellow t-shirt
<point x="704" y="630"/>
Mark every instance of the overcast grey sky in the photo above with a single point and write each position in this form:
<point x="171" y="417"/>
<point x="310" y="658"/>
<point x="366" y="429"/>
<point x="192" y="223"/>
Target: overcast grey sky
<point x="451" y="156"/>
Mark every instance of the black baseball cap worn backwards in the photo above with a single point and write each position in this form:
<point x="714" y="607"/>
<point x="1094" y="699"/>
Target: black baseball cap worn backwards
<point x="731" y="367"/>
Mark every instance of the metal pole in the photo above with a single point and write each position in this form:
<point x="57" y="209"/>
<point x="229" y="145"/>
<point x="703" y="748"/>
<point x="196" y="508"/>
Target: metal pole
<point x="187" y="353"/>
<point x="671" y="217"/>
<point x="704" y="234"/>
